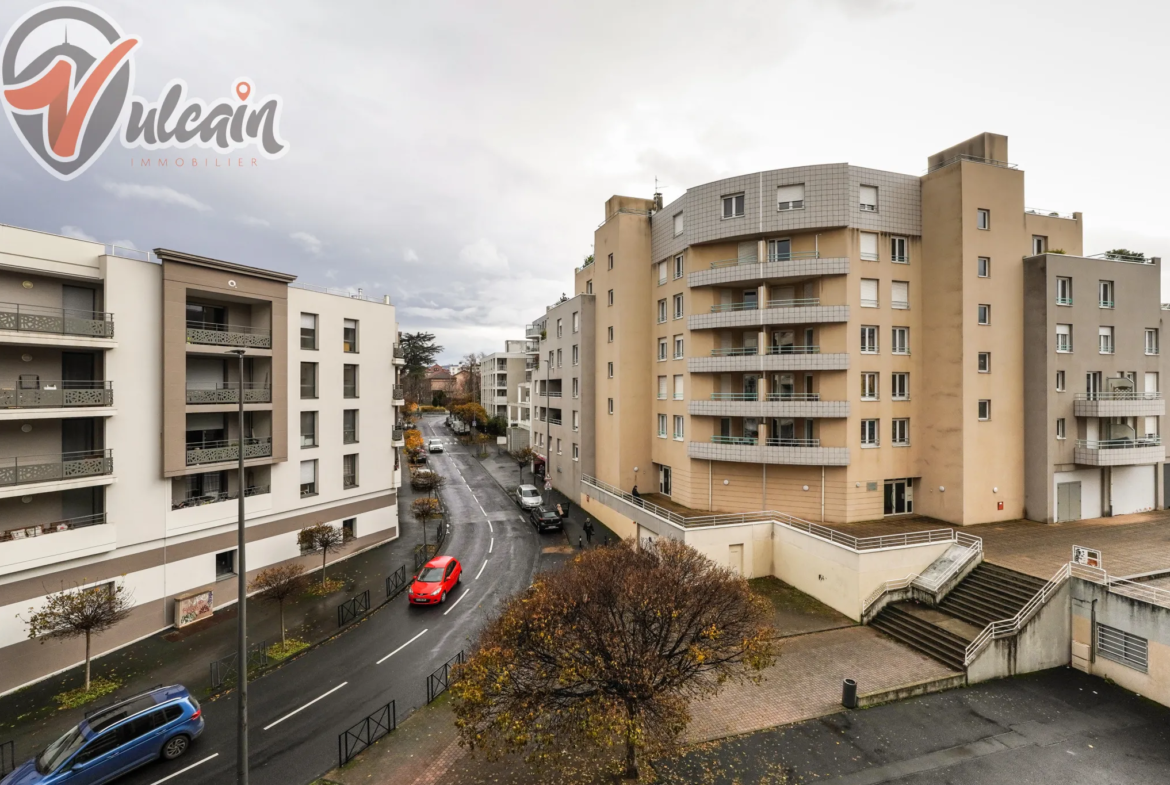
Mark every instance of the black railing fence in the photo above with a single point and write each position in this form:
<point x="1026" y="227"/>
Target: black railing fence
<point x="440" y="680"/>
<point x="356" y="738"/>
<point x="7" y="757"/>
<point x="395" y="582"/>
<point x="225" y="670"/>
<point x="353" y="608"/>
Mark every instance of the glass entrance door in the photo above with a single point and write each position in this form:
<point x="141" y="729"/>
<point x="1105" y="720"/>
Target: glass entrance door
<point x="899" y="498"/>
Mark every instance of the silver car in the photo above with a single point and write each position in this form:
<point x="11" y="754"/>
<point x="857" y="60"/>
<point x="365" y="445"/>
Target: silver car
<point x="529" y="497"/>
<point x="435" y="446"/>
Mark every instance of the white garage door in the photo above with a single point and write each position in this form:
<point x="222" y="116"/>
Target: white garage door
<point x="1133" y="489"/>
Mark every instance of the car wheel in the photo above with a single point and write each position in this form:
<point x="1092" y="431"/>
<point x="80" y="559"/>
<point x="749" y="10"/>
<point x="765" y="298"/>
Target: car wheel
<point x="175" y="747"/>
<point x="443" y="598"/>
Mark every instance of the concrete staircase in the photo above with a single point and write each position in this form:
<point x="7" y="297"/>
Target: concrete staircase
<point x="989" y="593"/>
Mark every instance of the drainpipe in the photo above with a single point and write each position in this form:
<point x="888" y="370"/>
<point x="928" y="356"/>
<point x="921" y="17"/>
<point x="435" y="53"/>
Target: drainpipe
<point x="1093" y="632"/>
<point x="822" y="493"/>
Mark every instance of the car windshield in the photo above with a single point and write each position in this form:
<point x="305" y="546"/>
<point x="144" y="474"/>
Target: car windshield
<point x="528" y="492"/>
<point x="59" y="751"/>
<point x="549" y="514"/>
<point x="431" y="575"/>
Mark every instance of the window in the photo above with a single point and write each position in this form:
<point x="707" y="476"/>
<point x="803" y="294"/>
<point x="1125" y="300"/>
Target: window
<point x="869" y="339"/>
<point x="869" y="198"/>
<point x="1105" y="340"/>
<point x="900" y="383"/>
<point x="609" y="369"/>
<point x="1060" y="428"/>
<point x="984" y="362"/>
<point x="610" y="296"/>
<point x="551" y="358"/>
<point x="308" y="478"/>
<point x="349" y="528"/>
<point x="349" y="468"/>
<point x="661" y="273"/>
<point x="678" y="267"/>
<point x="983" y="219"/>
<point x="611" y="255"/>
<point x="349" y="426"/>
<point x="984" y="313"/>
<point x="576" y="388"/>
<point x="790" y="197"/>
<point x="900" y="433"/>
<point x="733" y="206"/>
<point x="576" y="420"/>
<point x="1064" y="337"/>
<point x="985" y="410"/>
<point x="308" y="331"/>
<point x="308" y="380"/>
<point x="900" y="340"/>
<point x="349" y="335"/>
<point x="662" y="426"/>
<point x="900" y="295"/>
<point x="609" y="402"/>
<point x="576" y="321"/>
<point x="678" y="306"/>
<point x="1039" y="244"/>
<point x="779" y="250"/>
<point x="869" y="386"/>
<point x="869" y="246"/>
<point x="1151" y="340"/>
<point x="558" y="446"/>
<point x="225" y="564"/>
<point x="589" y="286"/>
<point x="1120" y="646"/>
<point x="560" y="358"/>
<point x="869" y="293"/>
<point x="678" y="347"/>
<point x="678" y="428"/>
<point x="609" y="334"/>
<point x="899" y="250"/>
<point x="576" y="355"/>
<point x="869" y="433"/>
<point x="1060" y="381"/>
<point x="1064" y="291"/>
<point x="662" y="388"/>
<point x="984" y="270"/>
<point x="678" y="229"/>
<point x="661" y="348"/>
<point x="1105" y="294"/>
<point x="349" y="381"/>
<point x="308" y="429"/>
<point x="678" y="387"/>
<point x="662" y="310"/>
<point x="560" y="327"/>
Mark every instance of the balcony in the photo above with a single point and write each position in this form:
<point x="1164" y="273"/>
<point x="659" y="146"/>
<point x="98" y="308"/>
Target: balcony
<point x="29" y="469"/>
<point x="747" y="314"/>
<point x="56" y="321"/>
<point x="533" y="330"/>
<point x="399" y="396"/>
<point x="399" y="356"/>
<point x="801" y="264"/>
<point x="42" y="544"/>
<point x="212" y="334"/>
<point x="532" y="347"/>
<point x="1119" y="452"/>
<point x="228" y="392"/>
<point x="774" y="358"/>
<point x="43" y="529"/>
<point x="776" y="405"/>
<point x="200" y="500"/>
<point x="228" y="450"/>
<point x="777" y="450"/>
<point x="43" y="394"/>
<point x="398" y="438"/>
<point x="1119" y="404"/>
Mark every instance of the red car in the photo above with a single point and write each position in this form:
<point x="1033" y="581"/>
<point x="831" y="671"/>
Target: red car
<point x="435" y="581"/>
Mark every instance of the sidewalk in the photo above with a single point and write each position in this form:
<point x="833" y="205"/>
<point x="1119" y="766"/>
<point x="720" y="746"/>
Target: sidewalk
<point x="30" y="717"/>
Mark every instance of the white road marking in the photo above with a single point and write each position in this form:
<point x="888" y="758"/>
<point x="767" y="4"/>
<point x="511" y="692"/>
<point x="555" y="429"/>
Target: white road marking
<point x="307" y="705"/>
<point x="485" y="561"/>
<point x="188" y="768"/>
<point x="490" y="527"/>
<point x="400" y="648"/>
<point x="481" y="509"/>
<point x="491" y="544"/>
<point x="461" y="596"/>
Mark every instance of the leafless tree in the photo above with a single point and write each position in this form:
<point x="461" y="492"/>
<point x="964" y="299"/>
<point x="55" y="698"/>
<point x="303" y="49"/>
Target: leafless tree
<point x="277" y="584"/>
<point x="76" y="612"/>
<point x="323" y="539"/>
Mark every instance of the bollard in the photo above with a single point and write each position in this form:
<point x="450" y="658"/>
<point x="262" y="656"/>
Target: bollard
<point x="849" y="694"/>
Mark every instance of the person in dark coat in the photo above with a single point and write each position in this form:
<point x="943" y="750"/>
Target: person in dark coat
<point x="635" y="493"/>
<point x="589" y="530"/>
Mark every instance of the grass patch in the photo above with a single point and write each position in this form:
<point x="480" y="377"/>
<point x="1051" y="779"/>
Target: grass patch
<point x="786" y="598"/>
<point x="281" y="651"/>
<point x="98" y="688"/>
<point x="326" y="587"/>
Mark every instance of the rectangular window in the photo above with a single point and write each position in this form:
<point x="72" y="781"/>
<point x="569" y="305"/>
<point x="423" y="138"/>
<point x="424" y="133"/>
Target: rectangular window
<point x="609" y="334"/>
<point x="678" y="228"/>
<point x="869" y="293"/>
<point x="779" y="250"/>
<point x="1039" y="245"/>
<point x="576" y="388"/>
<point x="611" y="255"/>
<point x="678" y="347"/>
<point x="678" y="428"/>
<point x="558" y="445"/>
<point x="869" y="246"/>
<point x="560" y="358"/>
<point x="661" y="348"/>
<point x="576" y="321"/>
<point x="984" y="362"/>
<point x="661" y="273"/>
<point x="308" y="478"/>
<point x="983" y="219"/>
<point x="869" y="433"/>
<point x="349" y="528"/>
<point x="576" y="355"/>
<point x="308" y="331"/>
<point x="869" y="198"/>
<point x="1060" y="428"/>
<point x="869" y="339"/>
<point x="1105" y="340"/>
<point x="349" y="471"/>
<point x="225" y="564"/>
<point x="1064" y="291"/>
<point x="1151" y="340"/>
<point x="349" y="426"/>
<point x="560" y="327"/>
<point x="349" y="381"/>
<point x="308" y="380"/>
<point x="733" y="206"/>
<point x="679" y="268"/>
<point x="589" y="286"/>
<point x="984" y="270"/>
<point x="790" y="197"/>
<point x="900" y="295"/>
<point x="901" y="386"/>
<point x="869" y="386"/>
<point x="1105" y="294"/>
<point x="899" y="250"/>
<point x="678" y="387"/>
<point x="678" y="306"/>
<point x="308" y="429"/>
<point x="609" y="403"/>
<point x="576" y="452"/>
<point x="900" y="433"/>
<point x="900" y="340"/>
<point x="662" y="388"/>
<point x="576" y="420"/>
<point x="609" y="369"/>
<point x="610" y="297"/>
<point x="1129" y="650"/>
<point x="349" y="335"/>
<point x="985" y="410"/>
<point x="662" y="426"/>
<point x="662" y="310"/>
<point x="984" y="313"/>
<point x="1060" y="381"/>
<point x="1064" y="343"/>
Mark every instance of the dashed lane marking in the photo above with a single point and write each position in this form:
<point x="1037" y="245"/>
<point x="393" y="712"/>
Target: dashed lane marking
<point x="485" y="561"/>
<point x="400" y="648"/>
<point x="184" y="770"/>
<point x="491" y="544"/>
<point x="461" y="596"/>
<point x="307" y="705"/>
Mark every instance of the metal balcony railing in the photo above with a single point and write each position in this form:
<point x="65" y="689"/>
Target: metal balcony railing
<point x="1119" y="444"/>
<point x="42" y="529"/>
<point x="734" y="440"/>
<point x="41" y="394"/>
<point x="772" y="257"/>
<point x="787" y="396"/>
<point x="736" y="351"/>
<point x="228" y="450"/>
<point x="1120" y="395"/>
<point x="27" y="469"/>
<point x="1104" y="303"/>
<point x="868" y="303"/>
<point x="348" y="481"/>
<point x="733" y="396"/>
<point x="201" y="499"/>
<point x="398" y="434"/>
<point x="228" y="392"/>
<point x="803" y="302"/>
<point x="398" y="393"/>
<point x="784" y="441"/>
<point x="1064" y="301"/>
<point x="214" y="334"/>
<point x="399" y="354"/>
<point x="794" y="350"/>
<point x="726" y="307"/>
<point x="60" y="321"/>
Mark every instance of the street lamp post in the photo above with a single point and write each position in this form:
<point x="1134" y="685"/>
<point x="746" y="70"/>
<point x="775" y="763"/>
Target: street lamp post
<point x="242" y="589"/>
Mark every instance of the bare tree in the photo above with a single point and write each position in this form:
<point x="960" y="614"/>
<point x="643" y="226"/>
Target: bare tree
<point x="323" y="539"/>
<point x="523" y="456"/>
<point x="77" y="612"/>
<point x="277" y="584"/>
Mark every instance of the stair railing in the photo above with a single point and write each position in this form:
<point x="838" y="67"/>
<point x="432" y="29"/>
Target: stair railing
<point x="974" y="546"/>
<point x="1009" y="627"/>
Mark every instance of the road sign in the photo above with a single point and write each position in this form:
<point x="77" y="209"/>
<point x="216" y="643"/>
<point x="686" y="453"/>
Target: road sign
<point x="1086" y="556"/>
<point x="547" y="484"/>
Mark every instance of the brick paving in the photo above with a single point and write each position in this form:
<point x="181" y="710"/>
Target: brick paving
<point x="806" y="681"/>
<point x="437" y="771"/>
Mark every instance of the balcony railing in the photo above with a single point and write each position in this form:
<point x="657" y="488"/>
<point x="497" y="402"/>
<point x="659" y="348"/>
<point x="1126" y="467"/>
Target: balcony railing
<point x="348" y="481"/>
<point x="736" y="351"/>
<point x="1120" y="395"/>
<point x="27" y="469"/>
<point x="55" y="395"/>
<point x="228" y="450"/>
<point x="42" y="529"/>
<point x="784" y="441"/>
<point x="733" y="396"/>
<point x="398" y="434"/>
<point x="349" y="391"/>
<point x="794" y="350"/>
<point x="772" y="257"/>
<point x="59" y="321"/>
<point x="200" y="499"/>
<point x="799" y="303"/>
<point x="215" y="334"/>
<point x="1064" y="301"/>
<point x="751" y="305"/>
<point x="734" y="440"/>
<point x="1119" y="444"/>
<point x="398" y="393"/>
<point x="1104" y="303"/>
<point x="786" y="396"/>
<point x="228" y="392"/>
<point x="399" y="354"/>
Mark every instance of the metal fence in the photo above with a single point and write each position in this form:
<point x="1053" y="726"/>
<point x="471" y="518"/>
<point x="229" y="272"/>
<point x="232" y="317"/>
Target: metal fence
<point x="395" y="582"/>
<point x="440" y="680"/>
<point x="7" y="757"/>
<point x="225" y="670"/>
<point x="356" y="738"/>
<point x="353" y="608"/>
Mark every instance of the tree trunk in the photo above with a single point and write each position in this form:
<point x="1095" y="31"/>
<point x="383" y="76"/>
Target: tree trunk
<point x="324" y="558"/>
<point x="631" y="772"/>
<point x="281" y="604"/>
<point x="87" y="638"/>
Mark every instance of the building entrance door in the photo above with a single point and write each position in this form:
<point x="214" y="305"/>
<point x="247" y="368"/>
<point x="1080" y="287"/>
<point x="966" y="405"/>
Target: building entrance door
<point x="899" y="497"/>
<point x="1068" y="501"/>
<point x="664" y="480"/>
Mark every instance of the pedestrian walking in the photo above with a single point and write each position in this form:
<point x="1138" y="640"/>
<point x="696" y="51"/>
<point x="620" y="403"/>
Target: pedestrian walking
<point x="635" y="493"/>
<point x="589" y="530"/>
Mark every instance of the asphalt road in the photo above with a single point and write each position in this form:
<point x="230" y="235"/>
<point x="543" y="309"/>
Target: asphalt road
<point x="296" y="712"/>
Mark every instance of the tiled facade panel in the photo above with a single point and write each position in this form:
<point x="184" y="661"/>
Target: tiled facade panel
<point x="769" y="408"/>
<point x="810" y="314"/>
<point x="838" y="361"/>
<point x="748" y="273"/>
<point x="1123" y="408"/>
<point x="755" y="453"/>
<point x="1134" y="456"/>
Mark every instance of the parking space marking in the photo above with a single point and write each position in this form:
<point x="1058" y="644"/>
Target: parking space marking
<point x="307" y="705"/>
<point x="400" y="648"/>
<point x="485" y="561"/>
<point x="461" y="596"/>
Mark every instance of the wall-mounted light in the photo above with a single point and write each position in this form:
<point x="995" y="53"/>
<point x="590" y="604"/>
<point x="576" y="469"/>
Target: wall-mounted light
<point x="635" y="470"/>
<point x="727" y="482"/>
<point x="27" y="284"/>
<point x="805" y="487"/>
<point x="25" y="499"/>
<point x="232" y="284"/>
<point x="941" y="488"/>
<point x="26" y="358"/>
<point x="857" y="485"/>
<point x="995" y="490"/>
<point x="26" y="428"/>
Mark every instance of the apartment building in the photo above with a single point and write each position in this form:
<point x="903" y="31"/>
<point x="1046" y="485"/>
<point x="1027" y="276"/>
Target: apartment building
<point x="119" y="432"/>
<point x="835" y="342"/>
<point x="1092" y="379"/>
<point x="563" y="391"/>
<point x="501" y="380"/>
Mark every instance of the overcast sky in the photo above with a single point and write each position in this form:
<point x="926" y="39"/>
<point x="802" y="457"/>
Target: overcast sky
<point x="457" y="155"/>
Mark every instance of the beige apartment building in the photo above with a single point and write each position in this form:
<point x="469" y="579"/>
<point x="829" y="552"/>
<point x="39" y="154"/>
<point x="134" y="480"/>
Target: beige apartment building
<point x="119" y="434"/>
<point x="834" y="342"/>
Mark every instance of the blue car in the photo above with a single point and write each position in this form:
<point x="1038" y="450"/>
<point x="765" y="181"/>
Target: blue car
<point x="116" y="739"/>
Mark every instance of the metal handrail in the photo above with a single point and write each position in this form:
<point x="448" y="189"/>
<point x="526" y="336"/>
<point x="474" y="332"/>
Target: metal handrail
<point x="67" y="524"/>
<point x="1120" y="395"/>
<point x="1113" y="257"/>
<point x="735" y="351"/>
<point x="721" y="396"/>
<point x="1116" y="444"/>
<point x="333" y="290"/>
<point x="974" y="158"/>
<point x="744" y="306"/>
<point x="783" y="441"/>
<point x="1104" y="303"/>
<point x="62" y="321"/>
<point x="1064" y="301"/>
<point x="227" y="328"/>
<point x="215" y="445"/>
<point x="733" y="440"/>
<point x="783" y="396"/>
<point x="773" y="350"/>
<point x="1005" y="628"/>
<point x="868" y="303"/>
<point x="803" y="302"/>
<point x="973" y="544"/>
<point x="43" y="394"/>
<point x="201" y="499"/>
<point x="1048" y="213"/>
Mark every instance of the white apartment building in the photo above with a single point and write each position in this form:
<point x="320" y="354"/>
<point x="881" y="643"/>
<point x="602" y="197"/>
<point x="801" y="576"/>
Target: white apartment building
<point x="502" y="376"/>
<point x="119" y="435"/>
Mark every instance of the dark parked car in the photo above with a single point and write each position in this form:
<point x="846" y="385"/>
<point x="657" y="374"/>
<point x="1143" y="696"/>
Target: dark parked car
<point x="545" y="520"/>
